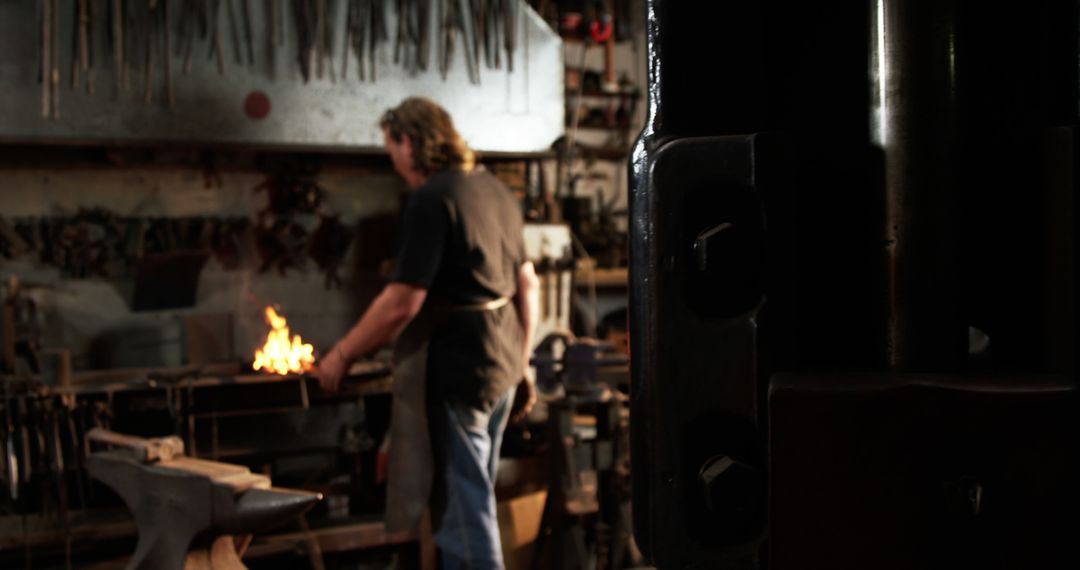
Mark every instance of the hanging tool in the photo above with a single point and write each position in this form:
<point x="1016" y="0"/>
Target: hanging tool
<point x="91" y="17"/>
<point x="216" y="51"/>
<point x="188" y="23"/>
<point x="248" y="41"/>
<point x="601" y="27"/>
<point x="423" y="13"/>
<point x="120" y="67"/>
<point x="399" y="38"/>
<point x="420" y="11"/>
<point x="24" y="443"/>
<point x="302" y="17"/>
<point x="54" y="76"/>
<point x="320" y="36"/>
<point x="133" y="32"/>
<point x="328" y="40"/>
<point x="73" y="447"/>
<point x="35" y="426"/>
<point x="11" y="459"/>
<point x="80" y="61"/>
<point x="164" y="12"/>
<point x="409" y="40"/>
<point x="469" y="34"/>
<point x="481" y="43"/>
<point x="495" y="22"/>
<point x="234" y="32"/>
<point x="602" y="31"/>
<point x="279" y="24"/>
<point x="204" y="18"/>
<point x="271" y="36"/>
<point x="510" y="19"/>
<point x="464" y="23"/>
<point x="148" y="66"/>
<point x="5" y="475"/>
<point x="378" y="32"/>
<point x="56" y="469"/>
<point x="46" y="58"/>
<point x="363" y="17"/>
<point x="50" y="59"/>
<point x="350" y="18"/>
<point x="446" y="36"/>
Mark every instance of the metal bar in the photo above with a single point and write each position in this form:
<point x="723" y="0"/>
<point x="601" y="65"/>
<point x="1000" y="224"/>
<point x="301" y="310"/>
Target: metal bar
<point x="54" y="76"/>
<point x="46" y="58"/>
<point x="83" y="60"/>
<point x="216" y="50"/>
<point x="118" y="44"/>
<point x="148" y="93"/>
<point x="320" y="36"/>
<point x="914" y="119"/>
<point x="248" y="40"/>
<point x="271" y="35"/>
<point x="89" y="67"/>
<point x="234" y="31"/>
<point x="350" y="7"/>
<point x="169" y="98"/>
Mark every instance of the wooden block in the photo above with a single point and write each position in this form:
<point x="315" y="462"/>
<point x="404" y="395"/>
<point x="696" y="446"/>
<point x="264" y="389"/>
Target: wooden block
<point x="244" y="481"/>
<point x="519" y="525"/>
<point x="237" y="476"/>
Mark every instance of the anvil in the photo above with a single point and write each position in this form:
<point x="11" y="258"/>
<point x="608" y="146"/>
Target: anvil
<point x="187" y="509"/>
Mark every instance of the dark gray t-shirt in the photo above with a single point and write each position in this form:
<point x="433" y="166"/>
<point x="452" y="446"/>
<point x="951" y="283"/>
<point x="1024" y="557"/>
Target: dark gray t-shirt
<point x="461" y="239"/>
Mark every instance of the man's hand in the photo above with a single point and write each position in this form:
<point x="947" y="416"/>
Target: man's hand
<point x="524" y="400"/>
<point x="331" y="370"/>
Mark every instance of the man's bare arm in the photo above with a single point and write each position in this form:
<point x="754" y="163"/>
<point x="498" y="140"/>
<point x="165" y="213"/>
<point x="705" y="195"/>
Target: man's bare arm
<point x="382" y="322"/>
<point x="527" y="301"/>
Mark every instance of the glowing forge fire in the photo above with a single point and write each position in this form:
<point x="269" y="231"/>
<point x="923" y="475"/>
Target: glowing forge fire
<point x="280" y="355"/>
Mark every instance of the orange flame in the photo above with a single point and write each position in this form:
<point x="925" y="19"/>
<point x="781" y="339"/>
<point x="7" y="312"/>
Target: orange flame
<point x="280" y="355"/>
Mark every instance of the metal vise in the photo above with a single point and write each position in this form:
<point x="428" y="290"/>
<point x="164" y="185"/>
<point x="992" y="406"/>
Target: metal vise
<point x="178" y="500"/>
<point x="575" y="363"/>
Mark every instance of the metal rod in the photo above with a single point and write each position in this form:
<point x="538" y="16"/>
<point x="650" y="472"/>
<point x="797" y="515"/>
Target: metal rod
<point x="914" y="124"/>
<point x="55" y="52"/>
<point x="118" y="44"/>
<point x="46" y="57"/>
<point x="169" y="98"/>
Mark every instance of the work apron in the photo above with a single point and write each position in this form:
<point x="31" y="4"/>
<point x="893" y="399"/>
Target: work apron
<point x="411" y="468"/>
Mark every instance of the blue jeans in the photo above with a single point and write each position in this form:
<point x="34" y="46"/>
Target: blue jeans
<point x="466" y="443"/>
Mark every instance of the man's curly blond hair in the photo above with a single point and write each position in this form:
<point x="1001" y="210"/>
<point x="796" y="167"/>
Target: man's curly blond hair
<point x="436" y="143"/>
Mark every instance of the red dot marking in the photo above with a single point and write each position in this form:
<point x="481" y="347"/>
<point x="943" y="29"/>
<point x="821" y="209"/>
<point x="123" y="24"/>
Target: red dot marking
<point x="257" y="105"/>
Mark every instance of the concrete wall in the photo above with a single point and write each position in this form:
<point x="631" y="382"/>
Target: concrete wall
<point x="77" y="312"/>
<point x="512" y="112"/>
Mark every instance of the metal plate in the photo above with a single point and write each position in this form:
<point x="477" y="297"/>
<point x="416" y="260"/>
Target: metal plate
<point x="519" y="111"/>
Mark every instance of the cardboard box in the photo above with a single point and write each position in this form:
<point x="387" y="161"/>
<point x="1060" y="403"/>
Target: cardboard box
<point x="519" y="525"/>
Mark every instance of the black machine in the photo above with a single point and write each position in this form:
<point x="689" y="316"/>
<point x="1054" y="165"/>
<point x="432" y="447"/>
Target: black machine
<point x="852" y="326"/>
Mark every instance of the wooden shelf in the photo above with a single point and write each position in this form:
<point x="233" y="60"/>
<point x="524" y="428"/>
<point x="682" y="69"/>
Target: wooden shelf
<point x="569" y="39"/>
<point x="605" y="94"/>
<point x="605" y="277"/>
<point x="604" y="152"/>
<point x="603" y="128"/>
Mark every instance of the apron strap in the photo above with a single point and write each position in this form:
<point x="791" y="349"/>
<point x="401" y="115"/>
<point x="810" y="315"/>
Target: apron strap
<point x="480" y="307"/>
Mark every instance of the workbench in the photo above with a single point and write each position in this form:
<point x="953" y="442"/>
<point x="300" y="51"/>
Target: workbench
<point x="223" y="413"/>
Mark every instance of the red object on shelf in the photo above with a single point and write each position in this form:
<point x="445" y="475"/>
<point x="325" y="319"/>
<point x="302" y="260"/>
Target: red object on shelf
<point x="601" y="30"/>
<point x="570" y="22"/>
